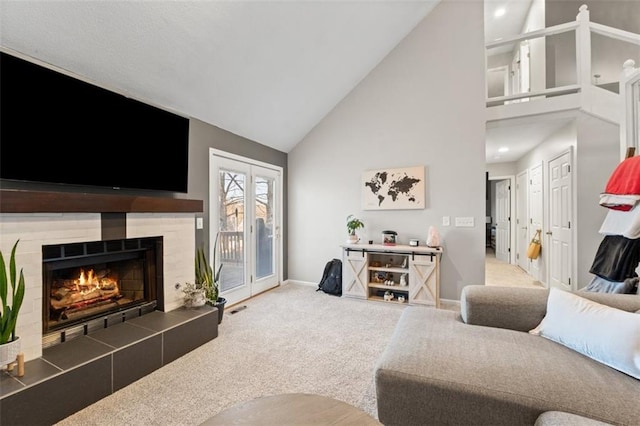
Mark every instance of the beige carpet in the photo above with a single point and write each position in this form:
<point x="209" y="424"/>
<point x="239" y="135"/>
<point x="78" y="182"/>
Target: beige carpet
<point x="498" y="273"/>
<point x="290" y="339"/>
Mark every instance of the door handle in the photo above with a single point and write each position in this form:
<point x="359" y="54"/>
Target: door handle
<point x="549" y="233"/>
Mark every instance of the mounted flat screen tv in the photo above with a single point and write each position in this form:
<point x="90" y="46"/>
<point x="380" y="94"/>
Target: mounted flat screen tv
<point x="58" y="129"/>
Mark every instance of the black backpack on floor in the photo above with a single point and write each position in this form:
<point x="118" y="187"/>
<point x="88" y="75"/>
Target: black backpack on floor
<point x="331" y="282"/>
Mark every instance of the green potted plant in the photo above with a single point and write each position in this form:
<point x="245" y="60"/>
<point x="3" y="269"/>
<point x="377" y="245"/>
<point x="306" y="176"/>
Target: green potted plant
<point x="11" y="296"/>
<point x="210" y="282"/>
<point x="353" y="224"/>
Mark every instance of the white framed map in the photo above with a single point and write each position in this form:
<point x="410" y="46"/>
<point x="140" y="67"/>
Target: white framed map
<point x="393" y="189"/>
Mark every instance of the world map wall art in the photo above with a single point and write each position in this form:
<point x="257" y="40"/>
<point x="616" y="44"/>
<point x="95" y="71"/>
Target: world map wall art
<point x="393" y="189"/>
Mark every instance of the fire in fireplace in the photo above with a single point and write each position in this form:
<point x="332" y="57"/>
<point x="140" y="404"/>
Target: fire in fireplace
<point x="90" y="289"/>
<point x="84" y="281"/>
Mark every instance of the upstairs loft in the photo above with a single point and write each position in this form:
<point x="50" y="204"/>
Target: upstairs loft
<point x="579" y="65"/>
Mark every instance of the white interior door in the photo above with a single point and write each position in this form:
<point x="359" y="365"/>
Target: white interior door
<point x="560" y="212"/>
<point x="245" y="206"/>
<point x="536" y="216"/>
<point x="522" y="220"/>
<point x="503" y="221"/>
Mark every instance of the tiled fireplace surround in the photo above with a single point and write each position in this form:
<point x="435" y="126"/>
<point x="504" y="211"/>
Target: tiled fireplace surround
<point x="50" y="218"/>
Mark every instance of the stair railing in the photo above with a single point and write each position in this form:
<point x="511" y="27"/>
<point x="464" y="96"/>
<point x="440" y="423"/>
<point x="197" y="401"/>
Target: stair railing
<point x="583" y="29"/>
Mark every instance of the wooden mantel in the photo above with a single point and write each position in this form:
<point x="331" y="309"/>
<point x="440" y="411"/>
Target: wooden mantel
<point x="23" y="201"/>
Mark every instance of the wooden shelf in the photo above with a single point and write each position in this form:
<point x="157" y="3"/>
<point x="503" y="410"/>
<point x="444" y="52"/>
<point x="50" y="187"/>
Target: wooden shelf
<point x="22" y="201"/>
<point x="396" y="287"/>
<point x="380" y="299"/>
<point x="397" y="270"/>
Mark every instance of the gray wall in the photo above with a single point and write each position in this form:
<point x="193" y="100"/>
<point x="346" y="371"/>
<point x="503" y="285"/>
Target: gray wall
<point x="422" y="105"/>
<point x="203" y="136"/>
<point x="597" y="155"/>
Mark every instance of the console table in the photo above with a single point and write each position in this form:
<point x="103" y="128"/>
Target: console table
<point x="411" y="274"/>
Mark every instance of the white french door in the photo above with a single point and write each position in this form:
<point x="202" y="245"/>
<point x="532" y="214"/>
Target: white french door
<point x="245" y="214"/>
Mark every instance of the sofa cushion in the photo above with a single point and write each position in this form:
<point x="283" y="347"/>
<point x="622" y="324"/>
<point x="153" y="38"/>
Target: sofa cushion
<point x="505" y="307"/>
<point x="438" y="368"/>
<point x="608" y="335"/>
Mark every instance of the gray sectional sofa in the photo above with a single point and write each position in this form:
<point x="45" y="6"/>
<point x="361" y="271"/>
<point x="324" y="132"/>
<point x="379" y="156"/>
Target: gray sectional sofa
<point x="482" y="367"/>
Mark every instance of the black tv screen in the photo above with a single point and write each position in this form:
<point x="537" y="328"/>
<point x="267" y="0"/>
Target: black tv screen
<point x="57" y="129"/>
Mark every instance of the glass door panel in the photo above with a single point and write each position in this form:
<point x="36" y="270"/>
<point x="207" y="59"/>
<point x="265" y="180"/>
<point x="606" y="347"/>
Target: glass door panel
<point x="264" y="226"/>
<point x="231" y="238"/>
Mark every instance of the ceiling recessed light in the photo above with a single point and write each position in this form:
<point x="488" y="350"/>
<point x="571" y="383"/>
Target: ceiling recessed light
<point x="499" y="12"/>
<point x="503" y="149"/>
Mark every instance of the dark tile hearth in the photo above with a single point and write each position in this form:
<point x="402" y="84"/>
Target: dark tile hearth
<point x="81" y="371"/>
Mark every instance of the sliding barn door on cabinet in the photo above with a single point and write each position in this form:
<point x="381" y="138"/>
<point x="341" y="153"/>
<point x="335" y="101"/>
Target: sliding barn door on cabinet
<point x="355" y="275"/>
<point x="424" y="288"/>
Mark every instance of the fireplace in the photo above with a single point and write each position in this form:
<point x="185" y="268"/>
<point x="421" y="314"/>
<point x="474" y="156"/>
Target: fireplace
<point x="92" y="285"/>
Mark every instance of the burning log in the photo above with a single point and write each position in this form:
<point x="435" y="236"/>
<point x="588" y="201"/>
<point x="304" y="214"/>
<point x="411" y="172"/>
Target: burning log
<point x="77" y="300"/>
<point x="88" y="289"/>
<point x="77" y="306"/>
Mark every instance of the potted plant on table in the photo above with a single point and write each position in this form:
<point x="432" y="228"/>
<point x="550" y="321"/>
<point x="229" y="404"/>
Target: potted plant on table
<point x="353" y="224"/>
<point x="210" y="282"/>
<point x="11" y="296"/>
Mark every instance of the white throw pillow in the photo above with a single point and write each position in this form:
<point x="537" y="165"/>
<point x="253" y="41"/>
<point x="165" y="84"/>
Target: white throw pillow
<point x="608" y="335"/>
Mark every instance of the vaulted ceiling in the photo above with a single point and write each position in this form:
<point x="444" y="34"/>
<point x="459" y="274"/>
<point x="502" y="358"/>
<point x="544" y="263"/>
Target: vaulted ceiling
<point x="265" y="70"/>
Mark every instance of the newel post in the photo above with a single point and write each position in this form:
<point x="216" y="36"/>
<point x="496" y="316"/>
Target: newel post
<point x="628" y="68"/>
<point x="629" y="114"/>
<point x="583" y="49"/>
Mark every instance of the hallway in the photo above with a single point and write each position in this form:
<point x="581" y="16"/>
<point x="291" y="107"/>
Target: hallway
<point x="498" y="273"/>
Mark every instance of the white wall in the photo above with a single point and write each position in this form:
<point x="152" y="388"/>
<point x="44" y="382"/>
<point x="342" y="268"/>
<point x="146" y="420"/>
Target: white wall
<point x="555" y="144"/>
<point x="502" y="169"/>
<point x="422" y="105"/>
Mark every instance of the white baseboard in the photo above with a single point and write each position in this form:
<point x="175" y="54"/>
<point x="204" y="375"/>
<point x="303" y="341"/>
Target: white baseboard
<point x="307" y="283"/>
<point x="449" y="302"/>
